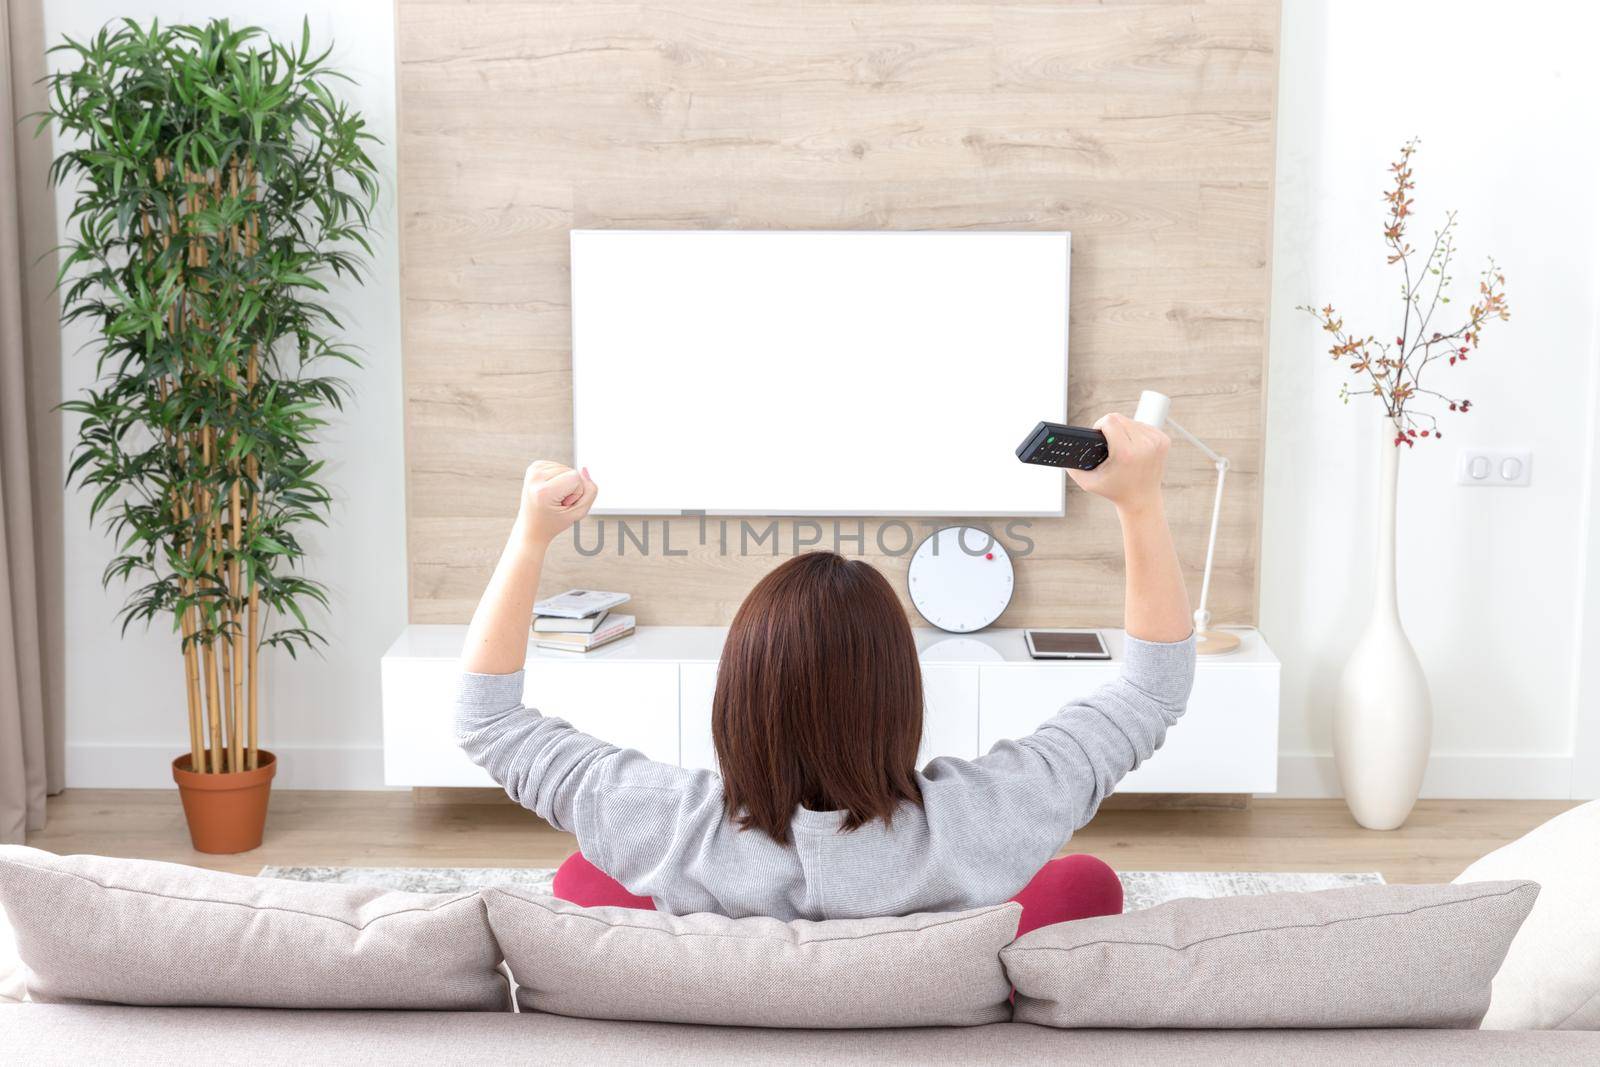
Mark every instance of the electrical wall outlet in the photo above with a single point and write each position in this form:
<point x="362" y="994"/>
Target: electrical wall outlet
<point x="1500" y="467"/>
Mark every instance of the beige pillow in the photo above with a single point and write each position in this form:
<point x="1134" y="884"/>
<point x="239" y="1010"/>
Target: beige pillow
<point x="620" y="963"/>
<point x="138" y="932"/>
<point x="1400" y="955"/>
<point x="1551" y="977"/>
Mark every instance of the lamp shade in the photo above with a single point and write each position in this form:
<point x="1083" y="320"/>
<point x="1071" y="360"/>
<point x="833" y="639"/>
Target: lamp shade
<point x="1153" y="408"/>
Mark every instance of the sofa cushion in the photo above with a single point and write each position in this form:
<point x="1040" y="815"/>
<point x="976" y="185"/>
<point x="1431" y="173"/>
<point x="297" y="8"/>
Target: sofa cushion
<point x="1551" y="977"/>
<point x="1415" y="956"/>
<point x="620" y="963"/>
<point x="138" y="932"/>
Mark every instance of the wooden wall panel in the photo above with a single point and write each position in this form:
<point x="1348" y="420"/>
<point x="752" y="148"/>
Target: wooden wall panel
<point x="1145" y="128"/>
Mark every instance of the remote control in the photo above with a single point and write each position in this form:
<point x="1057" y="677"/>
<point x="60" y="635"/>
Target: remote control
<point x="1053" y="445"/>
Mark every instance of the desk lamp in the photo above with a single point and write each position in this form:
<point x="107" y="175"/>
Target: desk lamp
<point x="1152" y="411"/>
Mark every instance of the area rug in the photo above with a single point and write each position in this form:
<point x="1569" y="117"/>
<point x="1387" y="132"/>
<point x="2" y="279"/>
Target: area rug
<point x="1141" y="889"/>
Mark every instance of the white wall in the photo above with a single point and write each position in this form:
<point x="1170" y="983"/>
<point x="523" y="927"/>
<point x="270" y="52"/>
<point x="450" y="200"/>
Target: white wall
<point x="1492" y="583"/>
<point x="1506" y="99"/>
<point x="125" y="700"/>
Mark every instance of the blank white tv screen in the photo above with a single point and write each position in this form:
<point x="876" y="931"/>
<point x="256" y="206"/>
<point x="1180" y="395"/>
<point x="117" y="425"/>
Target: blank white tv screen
<point x="818" y="373"/>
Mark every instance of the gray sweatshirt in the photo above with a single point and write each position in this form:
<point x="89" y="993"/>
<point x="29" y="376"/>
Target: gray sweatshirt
<point x="985" y="826"/>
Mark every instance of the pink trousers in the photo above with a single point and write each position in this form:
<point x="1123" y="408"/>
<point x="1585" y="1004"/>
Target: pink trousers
<point x="1072" y="887"/>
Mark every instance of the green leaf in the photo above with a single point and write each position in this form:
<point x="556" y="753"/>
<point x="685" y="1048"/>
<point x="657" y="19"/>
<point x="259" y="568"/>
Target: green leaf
<point x="268" y="545"/>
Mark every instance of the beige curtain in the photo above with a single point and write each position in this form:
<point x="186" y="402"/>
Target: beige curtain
<point x="31" y="630"/>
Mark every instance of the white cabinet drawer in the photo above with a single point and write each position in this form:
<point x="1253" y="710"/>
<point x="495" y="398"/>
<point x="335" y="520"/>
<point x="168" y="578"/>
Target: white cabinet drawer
<point x="950" y="721"/>
<point x="633" y="705"/>
<point x="1017" y="699"/>
<point x="630" y="704"/>
<point x="419" y="720"/>
<point x="697" y="684"/>
<point x="1226" y="742"/>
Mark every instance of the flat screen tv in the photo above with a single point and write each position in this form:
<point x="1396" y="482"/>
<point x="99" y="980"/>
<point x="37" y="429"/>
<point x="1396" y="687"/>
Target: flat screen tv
<point x="818" y="373"/>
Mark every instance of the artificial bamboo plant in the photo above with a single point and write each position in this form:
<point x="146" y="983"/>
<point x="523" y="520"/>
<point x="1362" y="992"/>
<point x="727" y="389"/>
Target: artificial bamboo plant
<point x="218" y="181"/>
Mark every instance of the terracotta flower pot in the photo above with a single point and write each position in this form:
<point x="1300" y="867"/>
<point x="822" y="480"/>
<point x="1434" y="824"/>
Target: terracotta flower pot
<point x="226" y="812"/>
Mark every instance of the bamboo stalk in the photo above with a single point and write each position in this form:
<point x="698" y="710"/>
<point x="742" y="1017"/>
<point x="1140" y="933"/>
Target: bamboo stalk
<point x="199" y="527"/>
<point x="202" y="536"/>
<point x="225" y="671"/>
<point x="254" y="646"/>
<point x="221" y="640"/>
<point x="219" y="571"/>
<point x="252" y="471"/>
<point x="190" y="510"/>
<point x="190" y="667"/>
<point x="191" y="658"/>
<point x="188" y="206"/>
<point x="235" y="637"/>
<point x="213" y="701"/>
<point x="208" y="640"/>
<point x="215" y="713"/>
<point x="191" y="685"/>
<point x="191" y="628"/>
<point x="188" y="625"/>
<point x="174" y="440"/>
<point x="225" y="674"/>
<point x="253" y="638"/>
<point x="229" y="241"/>
<point x="199" y="642"/>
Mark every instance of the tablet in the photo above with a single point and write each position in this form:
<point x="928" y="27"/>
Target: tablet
<point x="1065" y="644"/>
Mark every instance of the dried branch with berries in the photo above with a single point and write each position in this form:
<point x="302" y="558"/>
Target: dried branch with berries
<point x="1394" y="371"/>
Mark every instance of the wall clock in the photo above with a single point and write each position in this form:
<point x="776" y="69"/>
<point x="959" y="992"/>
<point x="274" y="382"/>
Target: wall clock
<point x="960" y="579"/>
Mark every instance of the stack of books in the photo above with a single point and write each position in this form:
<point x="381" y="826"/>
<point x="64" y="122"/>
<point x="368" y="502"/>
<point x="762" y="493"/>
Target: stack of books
<point x="579" y="620"/>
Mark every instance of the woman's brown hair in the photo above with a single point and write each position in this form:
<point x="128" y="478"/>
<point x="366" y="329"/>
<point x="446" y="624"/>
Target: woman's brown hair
<point x="819" y="698"/>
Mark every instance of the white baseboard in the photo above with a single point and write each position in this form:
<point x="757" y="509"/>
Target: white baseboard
<point x="299" y="766"/>
<point x="1448" y="777"/>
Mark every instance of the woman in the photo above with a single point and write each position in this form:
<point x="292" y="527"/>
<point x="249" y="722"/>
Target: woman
<point x="820" y="811"/>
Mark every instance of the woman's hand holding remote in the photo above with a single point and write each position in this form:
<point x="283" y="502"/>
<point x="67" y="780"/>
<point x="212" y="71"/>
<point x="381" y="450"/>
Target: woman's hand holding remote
<point x="554" y="496"/>
<point x="1157" y="604"/>
<point x="1131" y="475"/>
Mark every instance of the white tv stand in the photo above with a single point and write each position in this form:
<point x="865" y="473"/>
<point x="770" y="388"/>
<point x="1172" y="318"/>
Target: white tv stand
<point x="652" y="692"/>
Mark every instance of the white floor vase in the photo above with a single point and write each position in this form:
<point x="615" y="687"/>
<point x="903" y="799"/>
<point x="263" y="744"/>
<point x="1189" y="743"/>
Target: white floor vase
<point x="1382" y="714"/>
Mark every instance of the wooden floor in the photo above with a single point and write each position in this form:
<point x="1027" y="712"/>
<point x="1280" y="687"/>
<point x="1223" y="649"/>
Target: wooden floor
<point x="383" y="829"/>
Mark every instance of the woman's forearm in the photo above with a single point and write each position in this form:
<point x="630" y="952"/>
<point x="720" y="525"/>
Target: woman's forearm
<point x="1157" y="607"/>
<point x="1157" y="603"/>
<point x="497" y="640"/>
<point x="553" y="498"/>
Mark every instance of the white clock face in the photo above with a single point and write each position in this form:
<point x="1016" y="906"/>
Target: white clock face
<point x="960" y="579"/>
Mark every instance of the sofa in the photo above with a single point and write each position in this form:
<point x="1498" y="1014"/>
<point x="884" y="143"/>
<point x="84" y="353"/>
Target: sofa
<point x="128" y="961"/>
<point x="48" y="1034"/>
